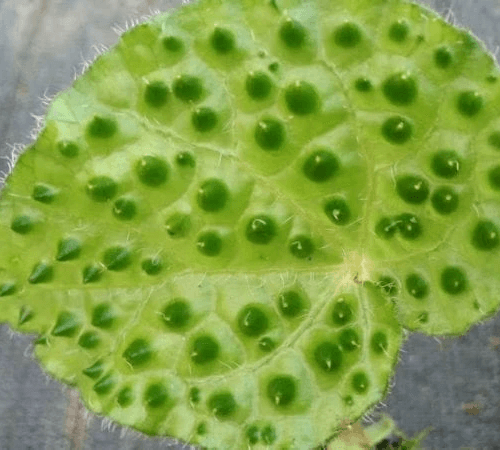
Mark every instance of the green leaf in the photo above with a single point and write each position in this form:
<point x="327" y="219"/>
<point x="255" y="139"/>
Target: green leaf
<point x="223" y="230"/>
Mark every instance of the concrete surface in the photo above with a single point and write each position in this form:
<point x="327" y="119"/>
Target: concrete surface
<point x="452" y="385"/>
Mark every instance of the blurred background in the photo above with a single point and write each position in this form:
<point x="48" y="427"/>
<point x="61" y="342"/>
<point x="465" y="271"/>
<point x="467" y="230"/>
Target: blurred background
<point x="451" y="385"/>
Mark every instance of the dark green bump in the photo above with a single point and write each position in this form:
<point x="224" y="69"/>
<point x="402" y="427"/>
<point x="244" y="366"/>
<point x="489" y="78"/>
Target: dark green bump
<point x="301" y="247"/>
<point x="258" y="85"/>
<point x="41" y="273"/>
<point x="222" y="405"/>
<point x="138" y="352"/>
<point x="89" y="340"/>
<point x="156" y="395"/>
<point x="117" y="258"/>
<point x="201" y="428"/>
<point x="274" y="67"/>
<point x="42" y="341"/>
<point x="412" y="189"/>
<point x="342" y="312"/>
<point x="397" y="130"/>
<point x="443" y="57"/>
<point x="348" y="400"/>
<point x="92" y="273"/>
<point x="444" y="200"/>
<point x="379" y="342"/>
<point x="282" y="390"/>
<point x="266" y="344"/>
<point x="152" y="266"/>
<point x="485" y="236"/>
<point x="293" y="34"/>
<point x="222" y="40"/>
<point x="349" y="340"/>
<point x="492" y="78"/>
<point x="388" y="285"/>
<point x="409" y="226"/>
<point x="94" y="371"/>
<point x="156" y="94"/>
<point x="209" y="243"/>
<point x="22" y="225"/>
<point x="270" y="134"/>
<point x="291" y="304"/>
<point x="400" y="89"/>
<point x="124" y="208"/>
<point x="469" y="103"/>
<point x="328" y="356"/>
<point x="25" y="315"/>
<point x="268" y="435"/>
<point x="185" y="159"/>
<point x="102" y="127"/>
<point x="261" y="230"/>
<point x="68" y="149"/>
<point x="66" y="325"/>
<point x="302" y="98"/>
<point x="204" y="119"/>
<point x="125" y="397"/>
<point x="68" y="249"/>
<point x="468" y="41"/>
<point x="194" y="395"/>
<point x="8" y="288"/>
<point x="320" y="166"/>
<point x="494" y="178"/>
<point x="212" y="195"/>
<point x="43" y="193"/>
<point x="360" y="382"/>
<point x="494" y="140"/>
<point x="417" y="286"/>
<point x="173" y="44"/>
<point x="252" y="434"/>
<point x="188" y="88"/>
<point x="104" y="385"/>
<point x="363" y="85"/>
<point x="101" y="188"/>
<point x="338" y="211"/>
<point x="398" y="31"/>
<point x="386" y="227"/>
<point x="446" y="163"/>
<point x="205" y="349"/>
<point x="423" y="317"/>
<point x="453" y="280"/>
<point x="348" y="35"/>
<point x="178" y="225"/>
<point x="176" y="314"/>
<point x="103" y="316"/>
<point x="252" y="321"/>
<point x="152" y="170"/>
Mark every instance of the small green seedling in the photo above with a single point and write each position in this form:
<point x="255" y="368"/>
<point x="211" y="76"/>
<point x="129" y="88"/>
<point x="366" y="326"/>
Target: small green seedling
<point x="227" y="222"/>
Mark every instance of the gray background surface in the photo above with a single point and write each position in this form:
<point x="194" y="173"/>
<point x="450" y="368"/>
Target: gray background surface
<point x="452" y="385"/>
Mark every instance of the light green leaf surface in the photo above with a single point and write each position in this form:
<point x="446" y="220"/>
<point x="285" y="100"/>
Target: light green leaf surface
<point x="229" y="219"/>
